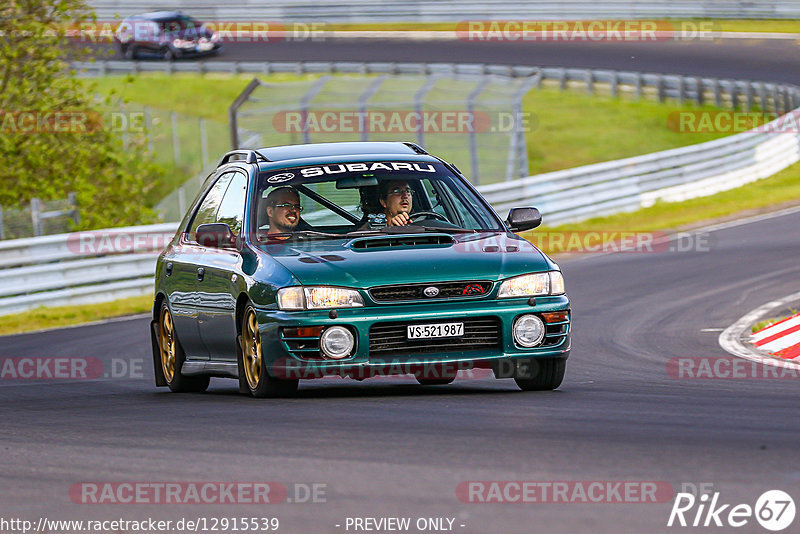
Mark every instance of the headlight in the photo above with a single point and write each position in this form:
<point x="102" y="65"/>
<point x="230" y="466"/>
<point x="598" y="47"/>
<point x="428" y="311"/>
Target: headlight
<point x="337" y="342"/>
<point x="318" y="298"/>
<point x="532" y="285"/>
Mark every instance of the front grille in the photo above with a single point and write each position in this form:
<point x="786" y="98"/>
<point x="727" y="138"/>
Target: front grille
<point x="391" y="338"/>
<point x="446" y="290"/>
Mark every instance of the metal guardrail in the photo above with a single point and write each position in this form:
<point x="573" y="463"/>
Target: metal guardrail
<point x="455" y="10"/>
<point x="80" y="267"/>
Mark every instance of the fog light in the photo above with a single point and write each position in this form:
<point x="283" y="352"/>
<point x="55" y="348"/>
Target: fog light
<point x="528" y="331"/>
<point x="337" y="342"/>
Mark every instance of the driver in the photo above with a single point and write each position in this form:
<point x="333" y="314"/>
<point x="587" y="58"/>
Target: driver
<point x="395" y="197"/>
<point x="283" y="210"/>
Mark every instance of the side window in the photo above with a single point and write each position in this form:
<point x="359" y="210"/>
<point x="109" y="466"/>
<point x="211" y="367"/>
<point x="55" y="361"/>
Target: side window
<point x="207" y="212"/>
<point x="231" y="209"/>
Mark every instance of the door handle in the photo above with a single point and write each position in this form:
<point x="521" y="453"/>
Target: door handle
<point x="169" y="268"/>
<point x="200" y="273"/>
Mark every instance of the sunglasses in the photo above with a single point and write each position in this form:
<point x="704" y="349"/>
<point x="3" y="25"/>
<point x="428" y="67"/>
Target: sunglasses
<point x="401" y="191"/>
<point x="290" y="206"/>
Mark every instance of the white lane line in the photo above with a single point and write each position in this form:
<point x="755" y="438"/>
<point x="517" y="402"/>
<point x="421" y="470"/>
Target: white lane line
<point x="729" y="338"/>
<point x="775" y="329"/>
<point x="712" y="329"/>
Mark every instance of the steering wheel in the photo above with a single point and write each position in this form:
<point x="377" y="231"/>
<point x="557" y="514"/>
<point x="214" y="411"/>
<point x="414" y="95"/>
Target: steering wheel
<point x="433" y="214"/>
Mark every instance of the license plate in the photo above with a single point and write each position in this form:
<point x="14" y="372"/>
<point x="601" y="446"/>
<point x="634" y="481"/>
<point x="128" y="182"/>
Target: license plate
<point x="426" y="331"/>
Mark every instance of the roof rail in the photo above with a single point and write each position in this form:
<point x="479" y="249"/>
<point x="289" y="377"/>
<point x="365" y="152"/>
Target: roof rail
<point x="247" y="156"/>
<point x="416" y="148"/>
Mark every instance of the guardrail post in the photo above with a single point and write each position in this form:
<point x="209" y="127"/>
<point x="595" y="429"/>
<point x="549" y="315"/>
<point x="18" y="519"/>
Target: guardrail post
<point x="72" y="199"/>
<point x="589" y="82"/>
<point x="36" y="216"/>
<point x="762" y="97"/>
<point x="562" y="79"/>
<point x="638" y="86"/>
<point x="176" y="146"/>
<point x="701" y="94"/>
<point x="734" y="96"/>
<point x="661" y="89"/>
<point x="614" y="84"/>
<point x="717" y="94"/>
<point x="774" y="95"/>
<point x="748" y="101"/>
<point x="681" y="90"/>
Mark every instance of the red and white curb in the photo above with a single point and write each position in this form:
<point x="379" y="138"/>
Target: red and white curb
<point x="782" y="339"/>
<point x="733" y="339"/>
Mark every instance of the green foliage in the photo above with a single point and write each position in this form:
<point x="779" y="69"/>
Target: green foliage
<point x="107" y="174"/>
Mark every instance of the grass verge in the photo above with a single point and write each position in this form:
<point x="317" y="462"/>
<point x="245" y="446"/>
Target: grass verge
<point x="567" y="128"/>
<point x="43" y="318"/>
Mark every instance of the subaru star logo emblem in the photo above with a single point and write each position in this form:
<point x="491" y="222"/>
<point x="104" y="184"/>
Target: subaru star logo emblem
<point x="431" y="291"/>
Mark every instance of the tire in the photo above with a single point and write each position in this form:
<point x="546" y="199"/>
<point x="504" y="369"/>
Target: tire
<point x="544" y="374"/>
<point x="253" y="376"/>
<point x="129" y="51"/>
<point x="172" y="357"/>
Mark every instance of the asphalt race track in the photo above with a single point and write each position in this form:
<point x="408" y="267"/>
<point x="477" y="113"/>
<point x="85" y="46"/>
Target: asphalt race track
<point x="388" y="448"/>
<point x="761" y="60"/>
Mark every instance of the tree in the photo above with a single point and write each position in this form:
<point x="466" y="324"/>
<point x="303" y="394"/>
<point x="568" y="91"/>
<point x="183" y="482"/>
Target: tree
<point x="53" y="139"/>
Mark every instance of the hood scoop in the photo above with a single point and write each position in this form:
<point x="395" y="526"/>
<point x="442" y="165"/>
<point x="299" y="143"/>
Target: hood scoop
<point x="400" y="241"/>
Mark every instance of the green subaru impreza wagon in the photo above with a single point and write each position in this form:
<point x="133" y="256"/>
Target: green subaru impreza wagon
<point x="354" y="260"/>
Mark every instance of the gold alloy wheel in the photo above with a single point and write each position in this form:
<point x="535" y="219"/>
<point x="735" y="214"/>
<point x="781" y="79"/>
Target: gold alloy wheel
<point x="251" y="351"/>
<point x="167" y="344"/>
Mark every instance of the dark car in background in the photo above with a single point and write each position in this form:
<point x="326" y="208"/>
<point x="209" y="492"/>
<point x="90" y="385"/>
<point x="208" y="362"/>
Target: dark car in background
<point x="164" y="34"/>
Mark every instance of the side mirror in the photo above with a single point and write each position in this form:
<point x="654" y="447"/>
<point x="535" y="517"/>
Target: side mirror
<point x="217" y="235"/>
<point x="521" y="219"/>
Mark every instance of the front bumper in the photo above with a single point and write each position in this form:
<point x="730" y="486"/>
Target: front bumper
<point x="283" y="362"/>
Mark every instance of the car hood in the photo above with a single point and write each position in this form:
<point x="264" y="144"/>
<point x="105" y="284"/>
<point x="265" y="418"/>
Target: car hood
<point x="408" y="258"/>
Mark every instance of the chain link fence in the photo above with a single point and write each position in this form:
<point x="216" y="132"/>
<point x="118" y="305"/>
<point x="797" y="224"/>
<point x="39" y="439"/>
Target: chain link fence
<point x="472" y="119"/>
<point x="39" y="217"/>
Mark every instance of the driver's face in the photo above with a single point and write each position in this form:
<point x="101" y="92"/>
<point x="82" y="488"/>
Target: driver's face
<point x="398" y="198"/>
<point x="284" y="215"/>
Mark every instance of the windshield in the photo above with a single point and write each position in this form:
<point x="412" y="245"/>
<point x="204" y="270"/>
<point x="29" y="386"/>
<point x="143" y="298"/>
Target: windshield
<point x="326" y="201"/>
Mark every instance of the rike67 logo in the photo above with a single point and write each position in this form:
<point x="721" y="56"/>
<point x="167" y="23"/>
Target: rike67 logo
<point x="774" y="510"/>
